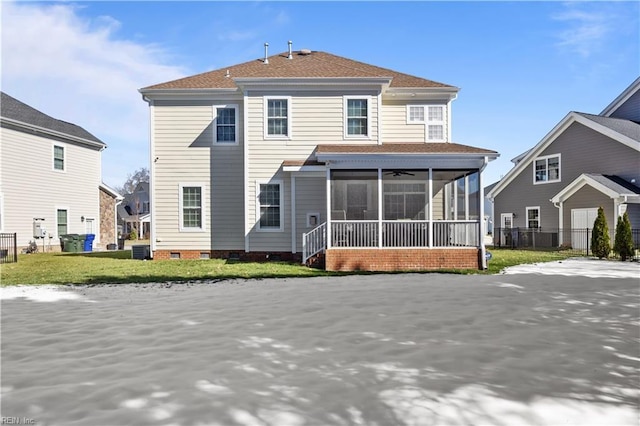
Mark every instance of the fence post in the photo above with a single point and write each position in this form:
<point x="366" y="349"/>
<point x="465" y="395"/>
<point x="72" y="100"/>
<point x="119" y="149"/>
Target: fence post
<point x="15" y="247"/>
<point x="588" y="240"/>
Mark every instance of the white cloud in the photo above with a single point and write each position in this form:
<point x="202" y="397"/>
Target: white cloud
<point x="77" y="70"/>
<point x="586" y="29"/>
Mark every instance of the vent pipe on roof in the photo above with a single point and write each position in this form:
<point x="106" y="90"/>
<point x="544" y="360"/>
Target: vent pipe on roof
<point x="290" y="51"/>
<point x="266" y="53"/>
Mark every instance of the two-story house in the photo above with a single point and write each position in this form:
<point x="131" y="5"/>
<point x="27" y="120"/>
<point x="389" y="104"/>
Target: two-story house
<point x="134" y="213"/>
<point x="586" y="161"/>
<point x="304" y="153"/>
<point x="50" y="179"/>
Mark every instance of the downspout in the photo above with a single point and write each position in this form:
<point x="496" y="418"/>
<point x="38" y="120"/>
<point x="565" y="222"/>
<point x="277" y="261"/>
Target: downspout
<point x="483" y="251"/>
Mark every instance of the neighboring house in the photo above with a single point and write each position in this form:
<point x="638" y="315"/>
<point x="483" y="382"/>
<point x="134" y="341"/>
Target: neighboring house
<point x="134" y="212"/>
<point x="308" y="153"/>
<point x="50" y="179"/>
<point x="586" y="161"/>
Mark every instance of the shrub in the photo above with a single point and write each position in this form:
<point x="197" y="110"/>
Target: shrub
<point x="133" y="235"/>
<point x="600" y="242"/>
<point x="623" y="244"/>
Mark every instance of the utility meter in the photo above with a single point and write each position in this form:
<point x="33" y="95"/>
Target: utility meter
<point x="39" y="230"/>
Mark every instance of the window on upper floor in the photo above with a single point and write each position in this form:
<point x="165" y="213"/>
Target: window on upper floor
<point x="546" y="169"/>
<point x="226" y="124"/>
<point x="533" y="217"/>
<point x="269" y="206"/>
<point x="432" y="117"/>
<point x="191" y="207"/>
<point x="145" y="207"/>
<point x="278" y="118"/>
<point x="58" y="157"/>
<point x="356" y="117"/>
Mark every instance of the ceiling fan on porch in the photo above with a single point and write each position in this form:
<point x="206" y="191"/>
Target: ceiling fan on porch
<point x="399" y="173"/>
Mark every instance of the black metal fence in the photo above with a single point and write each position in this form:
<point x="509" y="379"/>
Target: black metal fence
<point x="8" y="248"/>
<point x="577" y="240"/>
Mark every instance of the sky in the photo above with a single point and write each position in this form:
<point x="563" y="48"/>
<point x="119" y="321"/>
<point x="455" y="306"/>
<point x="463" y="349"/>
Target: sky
<point x="520" y="66"/>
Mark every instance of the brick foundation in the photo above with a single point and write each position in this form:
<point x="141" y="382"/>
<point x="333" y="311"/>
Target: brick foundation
<point x="402" y="259"/>
<point x="229" y="254"/>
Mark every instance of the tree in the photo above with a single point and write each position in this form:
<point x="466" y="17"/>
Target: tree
<point x="133" y="179"/>
<point x="623" y="244"/>
<point x="600" y="241"/>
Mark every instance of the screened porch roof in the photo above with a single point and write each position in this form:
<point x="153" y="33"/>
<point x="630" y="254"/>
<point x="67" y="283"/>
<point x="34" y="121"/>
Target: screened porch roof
<point x="394" y="155"/>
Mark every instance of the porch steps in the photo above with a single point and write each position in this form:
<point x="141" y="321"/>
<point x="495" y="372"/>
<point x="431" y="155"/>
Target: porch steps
<point x="316" y="261"/>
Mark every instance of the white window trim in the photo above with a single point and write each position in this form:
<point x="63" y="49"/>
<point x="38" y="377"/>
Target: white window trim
<point x="270" y="182"/>
<point x="527" y="216"/>
<point x="64" y="157"/>
<point x="203" y="199"/>
<point x="426" y="122"/>
<point x="266" y="100"/>
<point x="502" y="219"/>
<point x="345" y="117"/>
<point x="546" y="157"/>
<point x="55" y="215"/>
<point x="214" y="110"/>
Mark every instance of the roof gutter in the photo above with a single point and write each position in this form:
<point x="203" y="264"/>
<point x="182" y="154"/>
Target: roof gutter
<point x="38" y="129"/>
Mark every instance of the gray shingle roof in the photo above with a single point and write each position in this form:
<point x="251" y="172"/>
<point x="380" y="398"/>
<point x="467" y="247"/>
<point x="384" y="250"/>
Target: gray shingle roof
<point x="13" y="109"/>
<point x="625" y="127"/>
<point x="615" y="183"/>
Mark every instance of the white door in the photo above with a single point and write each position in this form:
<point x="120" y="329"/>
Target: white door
<point x="89" y="226"/>
<point x="581" y="221"/>
<point x="506" y="223"/>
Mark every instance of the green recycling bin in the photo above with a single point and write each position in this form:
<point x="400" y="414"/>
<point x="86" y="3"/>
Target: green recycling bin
<point x="66" y="242"/>
<point x="71" y="243"/>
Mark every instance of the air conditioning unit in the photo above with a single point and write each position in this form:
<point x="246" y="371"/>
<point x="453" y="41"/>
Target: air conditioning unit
<point x="141" y="252"/>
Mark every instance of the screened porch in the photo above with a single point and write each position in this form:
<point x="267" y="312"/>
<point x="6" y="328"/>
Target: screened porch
<point x="403" y="209"/>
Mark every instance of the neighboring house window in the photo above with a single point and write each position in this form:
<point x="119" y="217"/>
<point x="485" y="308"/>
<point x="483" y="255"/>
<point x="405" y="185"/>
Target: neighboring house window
<point x="58" y="157"/>
<point x="533" y="217"/>
<point x="145" y="207"/>
<point x="546" y="169"/>
<point x="226" y="124"/>
<point x="191" y="207"/>
<point x="433" y="118"/>
<point x="357" y="117"/>
<point x="62" y="222"/>
<point x="278" y="120"/>
<point x="270" y="206"/>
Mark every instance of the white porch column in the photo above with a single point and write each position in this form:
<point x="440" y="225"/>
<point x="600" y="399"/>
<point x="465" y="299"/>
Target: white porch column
<point x="380" y="208"/>
<point x="430" y="208"/>
<point x="481" y="218"/>
<point x="293" y="214"/>
<point x="328" y="182"/>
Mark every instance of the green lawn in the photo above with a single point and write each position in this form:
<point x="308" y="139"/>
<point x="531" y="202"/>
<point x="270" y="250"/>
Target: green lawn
<point x="118" y="267"/>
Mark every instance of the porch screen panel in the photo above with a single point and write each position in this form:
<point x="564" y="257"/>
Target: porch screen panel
<point x="405" y="195"/>
<point x="354" y="195"/>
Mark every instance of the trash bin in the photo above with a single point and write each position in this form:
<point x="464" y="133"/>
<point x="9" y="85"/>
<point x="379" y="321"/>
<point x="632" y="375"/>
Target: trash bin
<point x="81" y="239"/>
<point x="120" y="243"/>
<point x="88" y="242"/>
<point x="66" y="242"/>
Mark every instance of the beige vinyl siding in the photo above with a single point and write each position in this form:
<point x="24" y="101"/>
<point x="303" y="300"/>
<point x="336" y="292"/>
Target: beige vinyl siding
<point x="185" y="153"/>
<point x="316" y="118"/>
<point x="31" y="188"/>
<point x="310" y="198"/>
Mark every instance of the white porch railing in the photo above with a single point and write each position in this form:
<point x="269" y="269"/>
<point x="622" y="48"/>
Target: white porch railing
<point x="402" y="234"/>
<point x="456" y="233"/>
<point x="314" y="241"/>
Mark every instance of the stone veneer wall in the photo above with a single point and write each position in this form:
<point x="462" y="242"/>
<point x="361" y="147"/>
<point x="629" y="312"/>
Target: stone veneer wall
<point x="107" y="219"/>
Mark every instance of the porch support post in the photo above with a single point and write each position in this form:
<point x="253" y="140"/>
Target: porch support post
<point x="328" y="183"/>
<point x="483" y="256"/>
<point x="430" y="207"/>
<point x="293" y="214"/>
<point x="379" y="208"/>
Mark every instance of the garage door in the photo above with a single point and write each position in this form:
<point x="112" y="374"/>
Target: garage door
<point x="581" y="220"/>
